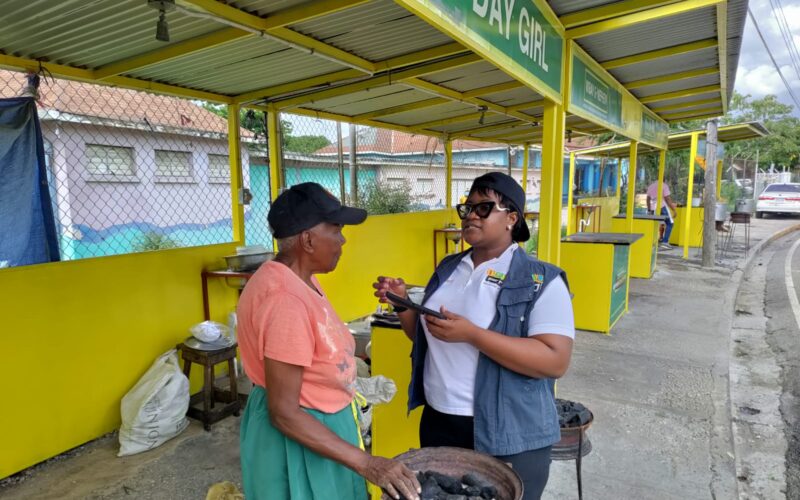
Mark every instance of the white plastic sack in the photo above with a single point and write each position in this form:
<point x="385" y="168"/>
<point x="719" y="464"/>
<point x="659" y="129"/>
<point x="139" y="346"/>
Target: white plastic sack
<point x="154" y="411"/>
<point x="375" y="390"/>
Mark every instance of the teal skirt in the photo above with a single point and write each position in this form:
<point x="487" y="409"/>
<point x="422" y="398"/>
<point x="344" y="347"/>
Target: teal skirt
<point x="275" y="467"/>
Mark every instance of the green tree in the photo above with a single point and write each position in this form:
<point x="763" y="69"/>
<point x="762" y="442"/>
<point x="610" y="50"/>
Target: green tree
<point x="380" y="198"/>
<point x="152" y="240"/>
<point x="254" y="121"/>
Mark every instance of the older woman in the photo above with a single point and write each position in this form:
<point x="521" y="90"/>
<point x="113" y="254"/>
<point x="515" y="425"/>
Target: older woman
<point x="299" y="438"/>
<point x="486" y="373"/>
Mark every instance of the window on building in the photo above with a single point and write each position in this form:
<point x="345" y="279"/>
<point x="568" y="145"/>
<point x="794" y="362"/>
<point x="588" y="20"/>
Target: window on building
<point x="395" y="181"/>
<point x="424" y="185"/>
<point x="219" y="168"/>
<point x="109" y="161"/>
<point x="173" y="165"/>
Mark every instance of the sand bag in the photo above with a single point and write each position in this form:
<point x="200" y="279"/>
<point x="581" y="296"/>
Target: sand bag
<point x="154" y="411"/>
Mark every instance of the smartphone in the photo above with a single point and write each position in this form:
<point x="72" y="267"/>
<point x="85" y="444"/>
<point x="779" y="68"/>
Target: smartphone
<point x="402" y="301"/>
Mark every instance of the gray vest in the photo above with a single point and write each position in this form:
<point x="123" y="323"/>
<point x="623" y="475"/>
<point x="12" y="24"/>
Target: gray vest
<point x="513" y="412"/>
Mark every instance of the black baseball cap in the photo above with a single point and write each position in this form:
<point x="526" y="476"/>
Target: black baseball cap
<point x="506" y="185"/>
<point x="305" y="205"/>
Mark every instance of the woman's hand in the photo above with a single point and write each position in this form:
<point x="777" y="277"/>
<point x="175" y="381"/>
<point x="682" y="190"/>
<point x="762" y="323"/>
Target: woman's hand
<point x="454" y="328"/>
<point x="385" y="284"/>
<point x="394" y="477"/>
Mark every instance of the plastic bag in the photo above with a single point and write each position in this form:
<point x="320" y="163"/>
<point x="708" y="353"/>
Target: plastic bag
<point x="154" y="411"/>
<point x="209" y="331"/>
<point x="374" y="390"/>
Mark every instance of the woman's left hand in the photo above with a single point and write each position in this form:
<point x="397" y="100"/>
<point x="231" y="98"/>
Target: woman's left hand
<point x="454" y="328"/>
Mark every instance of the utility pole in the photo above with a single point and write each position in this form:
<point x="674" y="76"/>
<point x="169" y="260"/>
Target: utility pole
<point x="710" y="196"/>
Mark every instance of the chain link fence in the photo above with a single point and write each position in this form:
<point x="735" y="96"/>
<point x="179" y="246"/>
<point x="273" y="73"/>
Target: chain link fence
<point x="130" y="171"/>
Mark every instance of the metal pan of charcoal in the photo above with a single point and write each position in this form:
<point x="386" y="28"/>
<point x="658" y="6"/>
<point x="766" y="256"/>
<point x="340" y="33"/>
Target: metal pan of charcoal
<point x="461" y="474"/>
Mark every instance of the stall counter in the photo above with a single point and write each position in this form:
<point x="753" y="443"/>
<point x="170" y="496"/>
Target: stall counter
<point x="597" y="267"/>
<point x="695" y="231"/>
<point x="644" y="252"/>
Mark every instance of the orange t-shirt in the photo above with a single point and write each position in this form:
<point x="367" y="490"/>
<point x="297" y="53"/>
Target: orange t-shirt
<point x="282" y="318"/>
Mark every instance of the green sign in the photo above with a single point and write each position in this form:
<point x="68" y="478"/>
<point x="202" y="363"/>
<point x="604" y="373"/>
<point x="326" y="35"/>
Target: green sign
<point x="653" y="130"/>
<point x="514" y="34"/>
<point x="619" y="285"/>
<point x="593" y="95"/>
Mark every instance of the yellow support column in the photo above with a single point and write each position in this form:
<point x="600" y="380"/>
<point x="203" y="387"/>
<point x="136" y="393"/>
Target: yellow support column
<point x="719" y="179"/>
<point x="687" y="224"/>
<point x="526" y="160"/>
<point x="632" y="164"/>
<point x="274" y="145"/>
<point x="448" y="176"/>
<point x="570" y="182"/>
<point x="552" y="182"/>
<point x="237" y="183"/>
<point x="662" y="163"/>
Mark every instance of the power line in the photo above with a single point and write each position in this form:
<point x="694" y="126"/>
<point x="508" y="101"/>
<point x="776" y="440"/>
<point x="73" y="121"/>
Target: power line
<point x="777" y="68"/>
<point x="786" y="34"/>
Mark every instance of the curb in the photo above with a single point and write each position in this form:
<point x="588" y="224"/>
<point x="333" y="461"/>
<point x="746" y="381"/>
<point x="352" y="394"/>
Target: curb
<point x="730" y="304"/>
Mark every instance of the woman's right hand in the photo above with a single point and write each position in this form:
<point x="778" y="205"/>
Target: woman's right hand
<point x="392" y="476"/>
<point x="385" y="284"/>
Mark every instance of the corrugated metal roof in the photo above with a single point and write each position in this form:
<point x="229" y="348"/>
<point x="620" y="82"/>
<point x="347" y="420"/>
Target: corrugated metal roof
<point x="561" y="7"/>
<point x="682" y="100"/>
<point x="375" y="31"/>
<point x="264" y="7"/>
<point x="737" y="14"/>
<point x="692" y="26"/>
<point x="663" y="88"/>
<point x="698" y="59"/>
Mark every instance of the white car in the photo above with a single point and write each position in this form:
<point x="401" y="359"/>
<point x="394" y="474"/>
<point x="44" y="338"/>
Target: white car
<point x="781" y="198"/>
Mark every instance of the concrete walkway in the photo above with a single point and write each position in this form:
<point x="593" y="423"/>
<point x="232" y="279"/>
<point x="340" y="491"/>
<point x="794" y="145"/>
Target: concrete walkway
<point x="658" y="387"/>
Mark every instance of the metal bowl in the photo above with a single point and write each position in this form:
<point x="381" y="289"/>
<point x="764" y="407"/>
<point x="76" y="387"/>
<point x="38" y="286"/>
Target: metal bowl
<point x="456" y="462"/>
<point x="247" y="262"/>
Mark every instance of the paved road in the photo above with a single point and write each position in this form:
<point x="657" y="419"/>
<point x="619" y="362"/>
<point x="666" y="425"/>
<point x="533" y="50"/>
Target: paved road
<point x="765" y="375"/>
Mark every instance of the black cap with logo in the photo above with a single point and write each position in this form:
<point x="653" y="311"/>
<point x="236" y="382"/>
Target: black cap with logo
<point x="305" y="205"/>
<point x="506" y="185"/>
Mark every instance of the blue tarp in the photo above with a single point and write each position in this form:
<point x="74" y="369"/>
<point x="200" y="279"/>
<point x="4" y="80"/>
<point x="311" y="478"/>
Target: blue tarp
<point x="27" y="227"/>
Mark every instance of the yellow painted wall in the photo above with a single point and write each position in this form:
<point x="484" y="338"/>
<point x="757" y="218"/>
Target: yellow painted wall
<point x="390" y="245"/>
<point x="589" y="269"/>
<point x="642" y="251"/>
<point x="78" y="335"/>
<point x="609" y="207"/>
<point x="695" y="231"/>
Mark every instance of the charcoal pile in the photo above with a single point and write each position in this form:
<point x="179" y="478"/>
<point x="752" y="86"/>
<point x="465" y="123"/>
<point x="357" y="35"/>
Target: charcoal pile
<point x="572" y="414"/>
<point x="436" y="486"/>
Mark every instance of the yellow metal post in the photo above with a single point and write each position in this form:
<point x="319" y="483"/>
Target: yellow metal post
<point x="235" y="161"/>
<point x="719" y="179"/>
<point x="448" y="162"/>
<point x="526" y="160"/>
<point x="632" y="164"/>
<point x="552" y="182"/>
<point x="570" y="182"/>
<point x="662" y="163"/>
<point x="687" y="224"/>
<point x="274" y="144"/>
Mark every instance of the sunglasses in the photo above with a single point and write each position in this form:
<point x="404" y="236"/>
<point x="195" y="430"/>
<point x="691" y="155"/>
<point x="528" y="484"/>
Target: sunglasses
<point x="482" y="209"/>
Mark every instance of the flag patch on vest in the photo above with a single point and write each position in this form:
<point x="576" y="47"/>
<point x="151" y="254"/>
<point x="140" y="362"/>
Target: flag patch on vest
<point x="538" y="280"/>
<point x="495" y="277"/>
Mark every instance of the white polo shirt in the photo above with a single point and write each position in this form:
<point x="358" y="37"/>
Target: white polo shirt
<point x="472" y="292"/>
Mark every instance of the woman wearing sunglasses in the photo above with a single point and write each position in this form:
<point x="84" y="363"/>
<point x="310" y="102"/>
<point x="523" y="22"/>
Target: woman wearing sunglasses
<point x="486" y="373"/>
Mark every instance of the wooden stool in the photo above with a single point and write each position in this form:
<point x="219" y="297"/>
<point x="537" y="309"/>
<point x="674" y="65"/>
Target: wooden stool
<point x="210" y="394"/>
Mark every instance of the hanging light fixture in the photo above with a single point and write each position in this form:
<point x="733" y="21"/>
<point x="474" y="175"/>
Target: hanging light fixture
<point x="162" y="28"/>
<point x="483" y="110"/>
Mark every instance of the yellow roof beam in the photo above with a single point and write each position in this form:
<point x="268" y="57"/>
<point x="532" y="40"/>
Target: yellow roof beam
<point x="274" y="26"/>
<point x="531" y="134"/>
<point x="673" y="107"/>
<point x="679" y="94"/>
<point x="639" y="17"/>
<point x="328" y="79"/>
<point x="460" y="97"/>
<point x="379" y="81"/>
<point x="615" y="9"/>
<point x="674" y="77"/>
<point x="489" y="128"/>
<point x="86" y="75"/>
<point x="722" y="51"/>
<point x="170" y="52"/>
<point x="676" y="50"/>
<point x="494" y="89"/>
<point x="279" y="19"/>
<point x="450" y="121"/>
<point x="395" y="110"/>
<point x="695" y="114"/>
